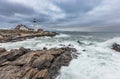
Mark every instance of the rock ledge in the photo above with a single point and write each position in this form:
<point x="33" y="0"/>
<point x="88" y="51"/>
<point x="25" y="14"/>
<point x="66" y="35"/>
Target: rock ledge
<point x="27" y="64"/>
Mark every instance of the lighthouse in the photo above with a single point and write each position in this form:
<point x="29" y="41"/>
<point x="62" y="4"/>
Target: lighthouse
<point x="35" y="24"/>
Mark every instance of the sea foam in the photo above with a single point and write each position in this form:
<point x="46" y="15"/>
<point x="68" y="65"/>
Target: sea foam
<point x="97" y="61"/>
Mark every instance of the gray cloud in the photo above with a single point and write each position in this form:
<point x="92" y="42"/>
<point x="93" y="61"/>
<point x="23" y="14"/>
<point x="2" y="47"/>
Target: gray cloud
<point x="79" y="15"/>
<point x="9" y="9"/>
<point x="8" y="12"/>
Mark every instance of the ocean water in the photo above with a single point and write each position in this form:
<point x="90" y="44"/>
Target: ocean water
<point x="96" y="59"/>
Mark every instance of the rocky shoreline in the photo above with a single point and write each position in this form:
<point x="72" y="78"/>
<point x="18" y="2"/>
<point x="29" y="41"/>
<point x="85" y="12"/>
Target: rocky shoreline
<point x="28" y="64"/>
<point x="20" y="35"/>
<point x="25" y="63"/>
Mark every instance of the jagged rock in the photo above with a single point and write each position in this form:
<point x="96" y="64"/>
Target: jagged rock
<point x="3" y="57"/>
<point x="37" y="59"/>
<point x="28" y="58"/>
<point x="75" y="55"/>
<point x="9" y="72"/>
<point x="80" y="42"/>
<point x="116" y="47"/>
<point x="12" y="55"/>
<point x="16" y="72"/>
<point x="22" y="49"/>
<point x="44" y="61"/>
<point x="84" y="50"/>
<point x="44" y="48"/>
<point x="43" y="74"/>
<point x="27" y="64"/>
<point x="55" y="52"/>
<point x="2" y="50"/>
<point x="30" y="73"/>
<point x="15" y="53"/>
<point x="62" y="60"/>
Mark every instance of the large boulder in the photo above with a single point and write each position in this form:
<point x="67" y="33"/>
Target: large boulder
<point x="62" y="60"/>
<point x="3" y="57"/>
<point x="116" y="47"/>
<point x="27" y="59"/>
<point x="12" y="54"/>
<point x="44" y="61"/>
<point x="16" y="53"/>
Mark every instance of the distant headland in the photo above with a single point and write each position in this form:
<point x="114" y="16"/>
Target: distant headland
<point x="22" y="32"/>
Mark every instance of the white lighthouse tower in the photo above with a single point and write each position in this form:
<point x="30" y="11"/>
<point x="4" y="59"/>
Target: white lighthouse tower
<point x="35" y="24"/>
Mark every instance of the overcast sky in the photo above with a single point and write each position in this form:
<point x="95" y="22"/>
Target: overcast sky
<point x="65" y="15"/>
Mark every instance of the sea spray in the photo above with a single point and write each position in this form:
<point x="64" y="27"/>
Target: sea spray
<point x="96" y="59"/>
<point x="97" y="62"/>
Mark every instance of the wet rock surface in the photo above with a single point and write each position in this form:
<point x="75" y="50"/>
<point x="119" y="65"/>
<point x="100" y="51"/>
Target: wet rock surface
<point x="28" y="64"/>
<point x="116" y="47"/>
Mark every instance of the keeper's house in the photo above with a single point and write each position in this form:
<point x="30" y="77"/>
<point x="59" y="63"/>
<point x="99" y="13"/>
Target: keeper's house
<point x="23" y="27"/>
